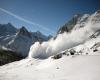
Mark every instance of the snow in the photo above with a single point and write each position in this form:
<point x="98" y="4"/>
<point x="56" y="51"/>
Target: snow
<point x="65" y="68"/>
<point x="66" y="40"/>
<point x="80" y="66"/>
<point x="76" y="67"/>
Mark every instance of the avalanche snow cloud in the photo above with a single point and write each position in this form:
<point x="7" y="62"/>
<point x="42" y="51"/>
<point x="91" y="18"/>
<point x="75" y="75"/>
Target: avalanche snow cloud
<point x="65" y="40"/>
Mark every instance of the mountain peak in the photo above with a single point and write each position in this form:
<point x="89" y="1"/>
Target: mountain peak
<point x="23" y="31"/>
<point x="98" y="11"/>
<point x="67" y="27"/>
<point x="38" y="32"/>
<point x="23" y="27"/>
<point x="9" y="24"/>
<point x="78" y="15"/>
<point x="77" y="21"/>
<point x="7" y="29"/>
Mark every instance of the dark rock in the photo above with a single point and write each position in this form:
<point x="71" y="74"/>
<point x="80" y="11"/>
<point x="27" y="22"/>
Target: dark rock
<point x="57" y="56"/>
<point x="95" y="50"/>
<point x="8" y="57"/>
<point x="86" y="53"/>
<point x="72" y="51"/>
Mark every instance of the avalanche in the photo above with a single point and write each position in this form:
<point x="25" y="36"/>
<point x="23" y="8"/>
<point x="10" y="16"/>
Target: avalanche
<point x="66" y="40"/>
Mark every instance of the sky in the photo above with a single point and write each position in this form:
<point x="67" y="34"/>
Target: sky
<point x="46" y="16"/>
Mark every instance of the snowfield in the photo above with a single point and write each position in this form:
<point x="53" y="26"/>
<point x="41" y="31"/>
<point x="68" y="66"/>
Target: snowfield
<point x="66" y="68"/>
<point x="69" y="67"/>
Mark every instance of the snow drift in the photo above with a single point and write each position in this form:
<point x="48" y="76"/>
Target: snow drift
<point x="66" y="40"/>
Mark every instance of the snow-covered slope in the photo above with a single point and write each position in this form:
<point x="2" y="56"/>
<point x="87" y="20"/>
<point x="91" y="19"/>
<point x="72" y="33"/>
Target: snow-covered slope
<point x="19" y="40"/>
<point x="66" y="68"/>
<point x="84" y="64"/>
<point x="79" y="21"/>
<point x="85" y="28"/>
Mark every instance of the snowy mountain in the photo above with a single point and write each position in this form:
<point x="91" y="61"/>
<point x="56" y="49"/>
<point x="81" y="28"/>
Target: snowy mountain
<point x="7" y="29"/>
<point x="7" y="32"/>
<point x="19" y="40"/>
<point x="79" y="21"/>
<point x="73" y="55"/>
<point x="83" y="64"/>
<point x="77" y="31"/>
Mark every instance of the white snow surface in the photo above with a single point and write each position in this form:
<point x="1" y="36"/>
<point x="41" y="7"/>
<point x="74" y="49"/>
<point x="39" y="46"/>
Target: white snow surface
<point x="72" y="67"/>
<point x="66" y="68"/>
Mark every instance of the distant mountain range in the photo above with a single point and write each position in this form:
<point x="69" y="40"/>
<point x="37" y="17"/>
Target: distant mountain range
<point x="19" y="40"/>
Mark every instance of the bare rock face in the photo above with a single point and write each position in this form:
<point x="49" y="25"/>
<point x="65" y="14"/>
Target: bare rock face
<point x="23" y="32"/>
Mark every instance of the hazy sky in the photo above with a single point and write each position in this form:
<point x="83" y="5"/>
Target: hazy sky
<point x="43" y="15"/>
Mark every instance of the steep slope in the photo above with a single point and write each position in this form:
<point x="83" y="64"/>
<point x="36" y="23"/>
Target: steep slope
<point x="79" y="20"/>
<point x="83" y="27"/>
<point x="23" y="40"/>
<point x="90" y="47"/>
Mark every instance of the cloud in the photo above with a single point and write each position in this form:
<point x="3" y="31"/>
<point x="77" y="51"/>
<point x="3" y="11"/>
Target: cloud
<point x="25" y="20"/>
<point x="62" y="42"/>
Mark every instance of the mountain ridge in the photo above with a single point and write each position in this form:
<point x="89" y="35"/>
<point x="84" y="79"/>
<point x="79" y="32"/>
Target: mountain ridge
<point x="17" y="39"/>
